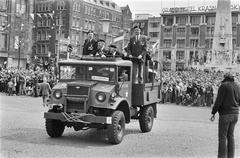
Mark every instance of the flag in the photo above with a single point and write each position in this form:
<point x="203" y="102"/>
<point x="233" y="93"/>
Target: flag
<point x="155" y="45"/>
<point x="119" y="38"/>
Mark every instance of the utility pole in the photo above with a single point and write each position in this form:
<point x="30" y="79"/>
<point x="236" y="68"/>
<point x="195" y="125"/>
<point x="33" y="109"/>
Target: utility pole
<point x="19" y="45"/>
<point x="59" y="36"/>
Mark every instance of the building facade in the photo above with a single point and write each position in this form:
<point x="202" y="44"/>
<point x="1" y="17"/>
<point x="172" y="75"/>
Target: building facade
<point x="17" y="47"/>
<point x="68" y="21"/>
<point x="3" y="33"/>
<point x="186" y="36"/>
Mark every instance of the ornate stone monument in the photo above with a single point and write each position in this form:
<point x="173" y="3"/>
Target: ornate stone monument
<point x="222" y="52"/>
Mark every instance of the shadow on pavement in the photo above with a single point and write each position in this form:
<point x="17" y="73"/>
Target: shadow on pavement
<point x="71" y="138"/>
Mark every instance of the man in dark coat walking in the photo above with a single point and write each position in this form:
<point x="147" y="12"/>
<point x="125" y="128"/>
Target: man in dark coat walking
<point x="227" y="105"/>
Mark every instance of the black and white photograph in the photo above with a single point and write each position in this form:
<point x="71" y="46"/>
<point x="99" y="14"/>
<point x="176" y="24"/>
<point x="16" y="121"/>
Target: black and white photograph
<point x="119" y="78"/>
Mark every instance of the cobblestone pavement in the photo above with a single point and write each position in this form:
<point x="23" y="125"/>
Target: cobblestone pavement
<point x="177" y="132"/>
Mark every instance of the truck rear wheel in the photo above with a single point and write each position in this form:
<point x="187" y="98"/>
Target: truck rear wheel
<point x="146" y="118"/>
<point x="117" y="129"/>
<point x="54" y="128"/>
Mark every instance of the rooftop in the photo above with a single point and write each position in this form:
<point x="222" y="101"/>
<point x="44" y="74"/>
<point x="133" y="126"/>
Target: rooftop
<point x="108" y="4"/>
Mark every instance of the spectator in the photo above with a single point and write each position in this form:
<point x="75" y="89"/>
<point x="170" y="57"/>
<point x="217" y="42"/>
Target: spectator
<point x="227" y="105"/>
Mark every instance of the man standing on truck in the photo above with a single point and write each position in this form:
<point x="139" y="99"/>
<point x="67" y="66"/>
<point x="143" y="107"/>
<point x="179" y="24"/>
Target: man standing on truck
<point x="136" y="49"/>
<point x="90" y="44"/>
<point x="101" y="51"/>
<point x="112" y="52"/>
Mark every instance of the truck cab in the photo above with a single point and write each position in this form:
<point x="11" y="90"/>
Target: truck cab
<point x="99" y="93"/>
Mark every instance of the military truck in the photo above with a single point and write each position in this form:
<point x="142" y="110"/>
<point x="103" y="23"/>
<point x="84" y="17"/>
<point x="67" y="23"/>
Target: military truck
<point x="99" y="93"/>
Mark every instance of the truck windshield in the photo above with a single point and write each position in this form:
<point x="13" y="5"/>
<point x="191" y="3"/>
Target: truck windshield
<point x="87" y="72"/>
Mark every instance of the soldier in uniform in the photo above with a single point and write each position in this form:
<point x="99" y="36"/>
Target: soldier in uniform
<point x="112" y="52"/>
<point x="136" y="49"/>
<point x="101" y="51"/>
<point x="90" y="44"/>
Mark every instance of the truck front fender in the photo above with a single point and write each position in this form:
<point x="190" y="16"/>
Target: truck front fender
<point x="122" y="104"/>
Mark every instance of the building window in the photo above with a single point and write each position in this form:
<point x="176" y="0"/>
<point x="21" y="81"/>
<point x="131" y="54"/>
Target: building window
<point x="61" y="5"/>
<point x="43" y="7"/>
<point x="75" y="7"/>
<point x="39" y="49"/>
<point x="47" y="48"/>
<point x="43" y="35"/>
<point x="195" y="31"/>
<point x="180" y="43"/>
<point x="209" y="43"/>
<point x="86" y="24"/>
<point x="107" y="15"/>
<point x="168" y="32"/>
<point x="193" y="43"/>
<point x="86" y="9"/>
<point x="43" y="49"/>
<point x="208" y="31"/>
<point x="181" y="20"/>
<point x="48" y="36"/>
<point x="168" y="21"/>
<point x="167" y="55"/>
<point x="180" y="55"/>
<point x="210" y="20"/>
<point x="212" y="31"/>
<point x="195" y="20"/>
<point x="181" y="31"/>
<point x="234" y="43"/>
<point x="153" y="34"/>
<point x="48" y="22"/>
<point x="44" y="22"/>
<point x="234" y="31"/>
<point x="234" y="19"/>
<point x="167" y="43"/>
<point x="47" y="8"/>
<point x="39" y="35"/>
<point x="154" y="24"/>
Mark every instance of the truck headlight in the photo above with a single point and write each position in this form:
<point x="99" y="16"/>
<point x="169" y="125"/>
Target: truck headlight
<point x="113" y="96"/>
<point x="101" y="97"/>
<point x="57" y="94"/>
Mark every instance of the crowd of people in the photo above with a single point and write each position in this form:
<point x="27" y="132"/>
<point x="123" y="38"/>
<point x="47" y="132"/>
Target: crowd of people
<point x="14" y="81"/>
<point x="192" y="87"/>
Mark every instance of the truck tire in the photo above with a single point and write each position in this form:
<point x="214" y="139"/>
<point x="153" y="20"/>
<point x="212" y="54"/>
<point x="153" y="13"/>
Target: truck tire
<point x="146" y="118"/>
<point x="54" y="128"/>
<point x="117" y="129"/>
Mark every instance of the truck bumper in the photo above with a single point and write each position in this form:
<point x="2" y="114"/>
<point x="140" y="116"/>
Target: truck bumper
<point x="78" y="117"/>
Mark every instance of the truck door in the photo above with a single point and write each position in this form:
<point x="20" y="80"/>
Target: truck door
<point x="124" y="80"/>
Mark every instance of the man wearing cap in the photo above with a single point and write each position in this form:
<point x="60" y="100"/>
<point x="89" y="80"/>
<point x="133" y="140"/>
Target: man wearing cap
<point x="227" y="105"/>
<point x="90" y="44"/>
<point x="101" y="51"/>
<point x="112" y="52"/>
<point x="136" y="49"/>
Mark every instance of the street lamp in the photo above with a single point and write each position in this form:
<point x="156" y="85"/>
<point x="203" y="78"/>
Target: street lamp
<point x="19" y="45"/>
<point x="59" y="37"/>
<point x="105" y="27"/>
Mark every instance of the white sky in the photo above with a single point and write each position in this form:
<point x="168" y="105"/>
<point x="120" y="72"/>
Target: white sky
<point x="154" y="7"/>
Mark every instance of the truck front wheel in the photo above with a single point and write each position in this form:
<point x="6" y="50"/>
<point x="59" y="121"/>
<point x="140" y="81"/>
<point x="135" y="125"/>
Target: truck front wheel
<point x="146" y="118"/>
<point x="54" y="128"/>
<point x="117" y="128"/>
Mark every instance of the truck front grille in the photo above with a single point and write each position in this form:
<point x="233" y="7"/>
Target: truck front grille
<point x="77" y="90"/>
<point x="73" y="106"/>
